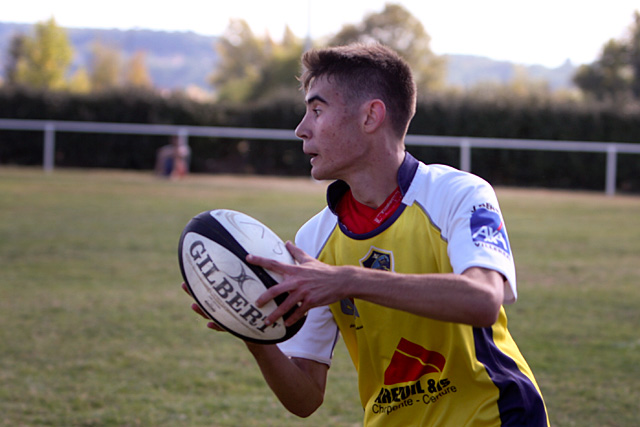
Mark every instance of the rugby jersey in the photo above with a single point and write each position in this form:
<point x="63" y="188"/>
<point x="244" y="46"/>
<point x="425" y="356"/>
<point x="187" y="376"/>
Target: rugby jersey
<point x="412" y="370"/>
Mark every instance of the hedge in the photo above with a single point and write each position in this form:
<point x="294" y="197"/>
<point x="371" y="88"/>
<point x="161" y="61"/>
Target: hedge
<point x="450" y="116"/>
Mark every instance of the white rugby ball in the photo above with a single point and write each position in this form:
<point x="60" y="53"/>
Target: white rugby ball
<point x="212" y="251"/>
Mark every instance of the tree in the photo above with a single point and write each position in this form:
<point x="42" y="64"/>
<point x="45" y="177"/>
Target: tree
<point x="15" y="54"/>
<point x="397" y="28"/>
<point x="616" y="74"/>
<point x="43" y="60"/>
<point x="242" y="56"/>
<point x="80" y="81"/>
<point x="253" y="68"/>
<point x="610" y="77"/>
<point x="105" y="68"/>
<point x="634" y="54"/>
<point x="137" y="75"/>
<point x="277" y="77"/>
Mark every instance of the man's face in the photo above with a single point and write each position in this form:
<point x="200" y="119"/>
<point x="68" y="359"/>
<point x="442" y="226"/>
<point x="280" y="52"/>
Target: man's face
<point x="331" y="132"/>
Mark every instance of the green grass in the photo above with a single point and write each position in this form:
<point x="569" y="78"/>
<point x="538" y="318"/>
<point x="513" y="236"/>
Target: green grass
<point x="95" y="329"/>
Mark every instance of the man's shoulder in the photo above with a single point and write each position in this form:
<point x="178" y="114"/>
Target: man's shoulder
<point x="314" y="233"/>
<point x="444" y="173"/>
<point x="441" y="182"/>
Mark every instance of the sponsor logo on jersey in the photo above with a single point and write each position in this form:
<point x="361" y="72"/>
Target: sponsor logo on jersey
<point x="404" y="385"/>
<point x="410" y="362"/>
<point x="487" y="229"/>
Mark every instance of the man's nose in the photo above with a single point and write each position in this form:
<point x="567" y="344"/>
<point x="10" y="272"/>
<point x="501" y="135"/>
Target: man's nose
<point x="302" y="130"/>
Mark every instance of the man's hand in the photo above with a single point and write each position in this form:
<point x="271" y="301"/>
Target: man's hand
<point x="310" y="283"/>
<point x="298" y="383"/>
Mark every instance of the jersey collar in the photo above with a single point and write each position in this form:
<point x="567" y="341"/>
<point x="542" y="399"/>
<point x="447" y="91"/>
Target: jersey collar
<point x="406" y="172"/>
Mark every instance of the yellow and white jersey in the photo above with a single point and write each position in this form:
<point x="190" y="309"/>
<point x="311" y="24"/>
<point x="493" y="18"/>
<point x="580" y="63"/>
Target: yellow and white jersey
<point x="412" y="370"/>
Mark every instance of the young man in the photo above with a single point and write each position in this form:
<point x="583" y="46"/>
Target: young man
<point x="410" y="263"/>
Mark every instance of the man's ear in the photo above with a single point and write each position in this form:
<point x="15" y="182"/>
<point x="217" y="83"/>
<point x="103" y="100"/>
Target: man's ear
<point x="376" y="112"/>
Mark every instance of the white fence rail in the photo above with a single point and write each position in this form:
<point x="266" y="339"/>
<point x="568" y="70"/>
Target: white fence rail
<point x="465" y="144"/>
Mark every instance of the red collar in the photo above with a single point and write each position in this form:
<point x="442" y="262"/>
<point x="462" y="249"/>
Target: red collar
<point x="359" y="218"/>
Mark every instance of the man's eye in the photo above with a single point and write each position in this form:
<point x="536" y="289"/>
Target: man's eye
<point x="316" y="111"/>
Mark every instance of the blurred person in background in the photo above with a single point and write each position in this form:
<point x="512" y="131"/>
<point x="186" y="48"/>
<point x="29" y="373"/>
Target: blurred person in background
<point x="172" y="160"/>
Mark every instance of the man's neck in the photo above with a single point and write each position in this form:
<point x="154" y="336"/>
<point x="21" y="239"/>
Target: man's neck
<point x="373" y="186"/>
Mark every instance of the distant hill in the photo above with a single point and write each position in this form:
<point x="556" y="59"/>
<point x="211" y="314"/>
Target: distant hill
<point x="467" y="70"/>
<point x="180" y="59"/>
<point x="174" y="59"/>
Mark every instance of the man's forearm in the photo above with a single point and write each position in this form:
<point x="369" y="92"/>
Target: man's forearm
<point x="473" y="297"/>
<point x="298" y="383"/>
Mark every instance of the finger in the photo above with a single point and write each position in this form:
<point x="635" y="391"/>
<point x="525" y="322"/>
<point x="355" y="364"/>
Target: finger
<point x="211" y="324"/>
<point x="275" y="315"/>
<point x="297" y="253"/>
<point x="267" y="263"/>
<point x="281" y="311"/>
<point x="215" y="327"/>
<point x="295" y="316"/>
<point x="186" y="289"/>
<point x="195" y="307"/>
<point x="289" y="303"/>
<point x="271" y="293"/>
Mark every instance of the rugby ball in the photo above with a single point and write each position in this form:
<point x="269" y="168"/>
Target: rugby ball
<point x="212" y="251"/>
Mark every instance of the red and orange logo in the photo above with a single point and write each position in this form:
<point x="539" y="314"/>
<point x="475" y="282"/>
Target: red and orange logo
<point x="410" y="362"/>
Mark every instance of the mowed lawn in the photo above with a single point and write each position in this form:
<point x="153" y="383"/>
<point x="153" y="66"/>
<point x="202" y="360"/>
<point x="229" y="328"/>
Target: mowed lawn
<point x="95" y="329"/>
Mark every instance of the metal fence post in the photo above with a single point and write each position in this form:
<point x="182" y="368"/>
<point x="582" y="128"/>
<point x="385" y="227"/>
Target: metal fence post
<point x="49" y="147"/>
<point x="612" y="166"/>
<point x="183" y="136"/>
<point x="465" y="155"/>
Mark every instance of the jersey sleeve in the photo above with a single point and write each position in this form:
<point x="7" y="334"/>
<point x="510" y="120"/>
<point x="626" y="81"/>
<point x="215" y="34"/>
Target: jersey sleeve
<point x="316" y="339"/>
<point x="465" y="208"/>
<point x="477" y="234"/>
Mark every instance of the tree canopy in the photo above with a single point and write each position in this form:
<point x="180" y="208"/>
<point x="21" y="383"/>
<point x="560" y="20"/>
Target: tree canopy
<point x="41" y="61"/>
<point x="136" y="72"/>
<point x="616" y="74"/>
<point x="242" y="56"/>
<point x="252" y="68"/>
<point x="397" y="28"/>
<point x="104" y="70"/>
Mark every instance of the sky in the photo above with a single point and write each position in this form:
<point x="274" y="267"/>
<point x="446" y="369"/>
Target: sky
<point x="544" y="32"/>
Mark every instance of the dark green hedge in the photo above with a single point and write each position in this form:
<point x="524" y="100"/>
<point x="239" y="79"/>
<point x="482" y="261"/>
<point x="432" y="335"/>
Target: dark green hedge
<point x="450" y="116"/>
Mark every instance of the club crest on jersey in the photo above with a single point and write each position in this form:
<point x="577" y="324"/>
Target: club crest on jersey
<point x="378" y="259"/>
<point x="487" y="229"/>
<point x="348" y="307"/>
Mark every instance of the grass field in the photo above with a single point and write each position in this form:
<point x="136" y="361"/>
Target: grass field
<point x="95" y="329"/>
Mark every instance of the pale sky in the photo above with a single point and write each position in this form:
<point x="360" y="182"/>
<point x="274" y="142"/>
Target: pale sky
<point x="545" y="32"/>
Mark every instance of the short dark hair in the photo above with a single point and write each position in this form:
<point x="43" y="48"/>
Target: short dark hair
<point x="366" y="71"/>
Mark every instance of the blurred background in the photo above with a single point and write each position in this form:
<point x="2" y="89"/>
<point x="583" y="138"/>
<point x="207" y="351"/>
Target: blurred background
<point x="96" y="330"/>
<point x="545" y="71"/>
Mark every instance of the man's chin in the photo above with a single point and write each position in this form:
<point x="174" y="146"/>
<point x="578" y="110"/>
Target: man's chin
<point x="315" y="174"/>
<point x="319" y="176"/>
